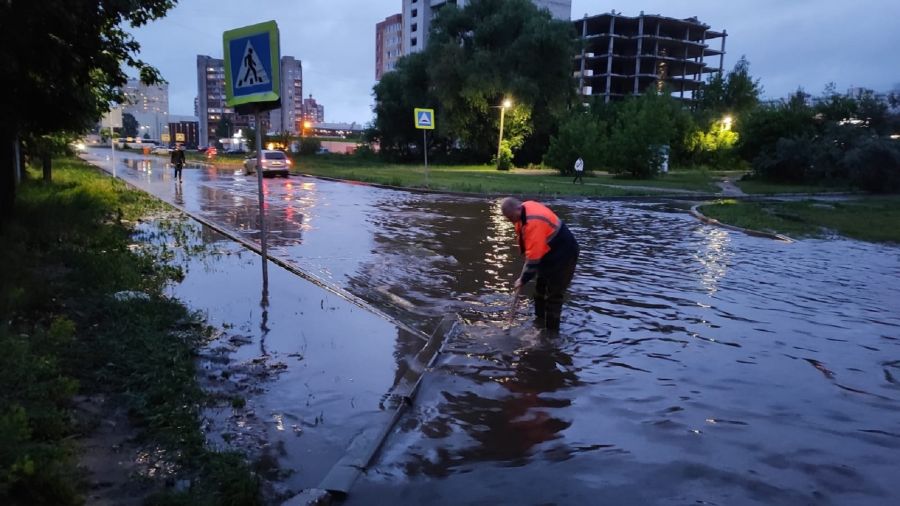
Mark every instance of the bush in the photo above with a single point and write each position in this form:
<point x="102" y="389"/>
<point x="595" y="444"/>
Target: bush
<point x="310" y="146"/>
<point x="874" y="165"/>
<point x="505" y="159"/>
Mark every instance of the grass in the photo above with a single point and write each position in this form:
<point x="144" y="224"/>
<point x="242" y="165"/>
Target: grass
<point x="874" y="219"/>
<point x="758" y="187"/>
<point x="483" y="179"/>
<point x="66" y="251"/>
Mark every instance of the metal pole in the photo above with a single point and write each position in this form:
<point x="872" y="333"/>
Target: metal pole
<point x="262" y="203"/>
<point x="112" y="139"/>
<point x="425" y="150"/>
<point x="500" y="142"/>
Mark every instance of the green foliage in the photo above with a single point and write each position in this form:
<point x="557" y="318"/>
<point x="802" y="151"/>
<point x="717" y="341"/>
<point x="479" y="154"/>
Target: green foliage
<point x="504" y="158"/>
<point x="642" y="127"/>
<point x="65" y="253"/>
<point x="839" y="140"/>
<point x="224" y="127"/>
<point x="476" y="57"/>
<point x="309" y="146"/>
<point x="734" y="93"/>
<point x="873" y="164"/>
<point x="130" y="125"/>
<point x="581" y="135"/>
<point x="66" y="82"/>
<point x="713" y="147"/>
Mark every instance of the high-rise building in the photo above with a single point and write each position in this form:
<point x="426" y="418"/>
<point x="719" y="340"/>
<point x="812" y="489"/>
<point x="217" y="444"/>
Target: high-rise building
<point x="313" y="111"/>
<point x="286" y="118"/>
<point x="624" y="55"/>
<point x="211" y="106"/>
<point x="418" y="14"/>
<point x="149" y="105"/>
<point x="388" y="44"/>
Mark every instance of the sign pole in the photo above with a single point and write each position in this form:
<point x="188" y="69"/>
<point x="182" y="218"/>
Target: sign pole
<point x="425" y="150"/>
<point x="112" y="140"/>
<point x="262" y="202"/>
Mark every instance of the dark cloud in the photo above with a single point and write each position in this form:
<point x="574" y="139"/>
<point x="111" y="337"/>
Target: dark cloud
<point x="790" y="43"/>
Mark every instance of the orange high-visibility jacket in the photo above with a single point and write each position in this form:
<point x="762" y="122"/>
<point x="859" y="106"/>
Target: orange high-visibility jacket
<point x="541" y="232"/>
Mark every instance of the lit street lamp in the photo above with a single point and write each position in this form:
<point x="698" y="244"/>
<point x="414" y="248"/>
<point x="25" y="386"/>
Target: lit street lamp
<point x="726" y="122"/>
<point x="507" y="103"/>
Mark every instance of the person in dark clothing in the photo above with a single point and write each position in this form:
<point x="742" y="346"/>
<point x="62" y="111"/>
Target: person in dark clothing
<point x="551" y="253"/>
<point x="178" y="161"/>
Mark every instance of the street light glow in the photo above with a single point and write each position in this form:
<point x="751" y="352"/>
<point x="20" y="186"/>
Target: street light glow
<point x="507" y="103"/>
<point x="726" y="122"/>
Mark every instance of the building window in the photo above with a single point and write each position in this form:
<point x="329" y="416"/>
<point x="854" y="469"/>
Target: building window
<point x="415" y="12"/>
<point x="415" y="27"/>
<point x="413" y="42"/>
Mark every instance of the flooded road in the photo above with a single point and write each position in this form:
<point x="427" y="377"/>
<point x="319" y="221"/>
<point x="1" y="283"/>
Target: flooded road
<point x="695" y="365"/>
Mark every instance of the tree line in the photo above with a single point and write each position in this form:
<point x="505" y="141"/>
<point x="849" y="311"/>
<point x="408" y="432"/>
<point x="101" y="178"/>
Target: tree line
<point x="495" y="50"/>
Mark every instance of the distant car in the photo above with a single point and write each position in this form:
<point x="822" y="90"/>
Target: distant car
<point x="273" y="162"/>
<point x="162" y="150"/>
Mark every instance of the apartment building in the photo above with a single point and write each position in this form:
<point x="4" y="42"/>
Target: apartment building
<point x="388" y="44"/>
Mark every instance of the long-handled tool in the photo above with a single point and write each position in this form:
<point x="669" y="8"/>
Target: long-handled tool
<point x="515" y="304"/>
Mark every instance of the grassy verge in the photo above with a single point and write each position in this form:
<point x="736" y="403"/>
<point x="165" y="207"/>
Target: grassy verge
<point x="875" y="219"/>
<point x="757" y="187"/>
<point x="66" y="252"/>
<point x="486" y="179"/>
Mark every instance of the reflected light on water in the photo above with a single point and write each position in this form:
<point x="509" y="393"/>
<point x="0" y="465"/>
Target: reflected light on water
<point x="500" y="237"/>
<point x="714" y="258"/>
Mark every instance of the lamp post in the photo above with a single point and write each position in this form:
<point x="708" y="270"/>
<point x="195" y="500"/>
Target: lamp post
<point x="507" y="103"/>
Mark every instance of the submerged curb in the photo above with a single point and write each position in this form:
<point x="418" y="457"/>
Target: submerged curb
<point x="695" y="212"/>
<point x="256" y="248"/>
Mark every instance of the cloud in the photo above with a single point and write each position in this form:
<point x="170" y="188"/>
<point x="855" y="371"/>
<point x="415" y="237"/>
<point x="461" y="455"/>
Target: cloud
<point x="789" y="43"/>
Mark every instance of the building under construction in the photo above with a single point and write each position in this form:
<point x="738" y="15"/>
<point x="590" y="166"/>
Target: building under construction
<point x="625" y="55"/>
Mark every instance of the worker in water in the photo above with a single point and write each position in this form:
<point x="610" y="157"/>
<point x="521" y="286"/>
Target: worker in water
<point x="178" y="161"/>
<point x="551" y="253"/>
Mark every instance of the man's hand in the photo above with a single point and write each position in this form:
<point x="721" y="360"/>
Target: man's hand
<point x="517" y="285"/>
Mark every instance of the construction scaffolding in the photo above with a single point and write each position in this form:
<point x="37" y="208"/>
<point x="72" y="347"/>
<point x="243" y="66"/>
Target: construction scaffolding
<point x="624" y="55"/>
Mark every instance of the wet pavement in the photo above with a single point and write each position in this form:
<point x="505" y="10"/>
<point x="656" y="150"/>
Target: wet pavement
<point x="695" y="365"/>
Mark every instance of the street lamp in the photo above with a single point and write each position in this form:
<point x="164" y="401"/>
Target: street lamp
<point x="507" y="103"/>
<point x="726" y="122"/>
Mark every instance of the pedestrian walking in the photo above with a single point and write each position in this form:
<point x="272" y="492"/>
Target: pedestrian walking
<point x="551" y="253"/>
<point x="178" y="161"/>
<point x="579" y="171"/>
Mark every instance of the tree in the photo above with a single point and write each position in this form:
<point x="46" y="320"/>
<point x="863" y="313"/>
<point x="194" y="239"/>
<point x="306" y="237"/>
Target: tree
<point x="581" y="135"/>
<point x="396" y="95"/>
<point x="477" y="56"/>
<point x="64" y="61"/>
<point x="734" y="94"/>
<point x="130" y="125"/>
<point x="643" y="126"/>
<point x="224" y="127"/>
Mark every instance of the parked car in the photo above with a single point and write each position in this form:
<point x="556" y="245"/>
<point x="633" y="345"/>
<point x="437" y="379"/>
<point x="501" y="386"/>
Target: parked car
<point x="162" y="150"/>
<point x="273" y="162"/>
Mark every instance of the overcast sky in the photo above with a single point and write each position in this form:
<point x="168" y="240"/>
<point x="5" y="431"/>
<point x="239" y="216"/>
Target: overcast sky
<point x="789" y="43"/>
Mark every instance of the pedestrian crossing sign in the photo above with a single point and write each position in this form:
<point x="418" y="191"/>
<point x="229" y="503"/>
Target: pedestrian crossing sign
<point x="424" y="119"/>
<point x="252" y="66"/>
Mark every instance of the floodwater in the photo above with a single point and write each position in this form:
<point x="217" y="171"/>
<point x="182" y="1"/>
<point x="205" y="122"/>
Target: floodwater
<point x="695" y="365"/>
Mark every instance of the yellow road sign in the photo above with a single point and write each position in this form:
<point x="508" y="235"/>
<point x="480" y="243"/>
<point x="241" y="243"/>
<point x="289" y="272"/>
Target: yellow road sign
<point x="165" y="137"/>
<point x="179" y="137"/>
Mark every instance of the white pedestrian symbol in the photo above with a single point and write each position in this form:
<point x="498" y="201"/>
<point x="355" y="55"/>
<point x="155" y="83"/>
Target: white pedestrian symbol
<point x="252" y="71"/>
<point x="424" y="119"/>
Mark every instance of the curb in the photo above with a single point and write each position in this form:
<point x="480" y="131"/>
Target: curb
<point x="695" y="212"/>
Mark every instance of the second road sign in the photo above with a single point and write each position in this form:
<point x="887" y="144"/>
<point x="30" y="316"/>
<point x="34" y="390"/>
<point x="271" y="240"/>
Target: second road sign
<point x="424" y="119"/>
